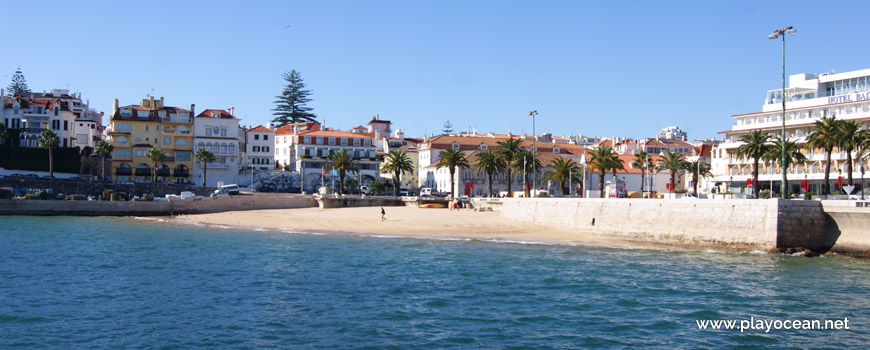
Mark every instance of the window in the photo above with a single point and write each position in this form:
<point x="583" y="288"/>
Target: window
<point x="56" y="110"/>
<point x="142" y="114"/>
<point x="555" y="150"/>
<point x="256" y="149"/>
<point x="482" y="146"/>
<point x="356" y="142"/>
<point x="161" y="114"/>
<point x="265" y="148"/>
<point x="215" y="115"/>
<point x="121" y="139"/>
<point x="183" y="129"/>
<point x="146" y="127"/>
<point x="182" y="117"/>
<point x="344" y="141"/>
<point x="65" y="126"/>
<point x="455" y="146"/>
<point x="123" y="153"/>
<point x="167" y="140"/>
<point x="181" y="142"/>
<point x="331" y="140"/>
<point x="141" y="152"/>
<point x="307" y="140"/>
<point x="319" y="140"/>
<point x="256" y="137"/>
<point x="183" y="156"/>
<point x="368" y="142"/>
<point x="207" y="131"/>
<point x="265" y="137"/>
<point x="223" y="132"/>
<point x="232" y="148"/>
<point x="55" y="124"/>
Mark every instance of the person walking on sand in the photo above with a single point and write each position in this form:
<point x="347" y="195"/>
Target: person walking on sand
<point x="383" y="214"/>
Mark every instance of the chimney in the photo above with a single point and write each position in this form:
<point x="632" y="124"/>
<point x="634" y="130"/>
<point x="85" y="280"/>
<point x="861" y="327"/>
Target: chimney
<point x="161" y="101"/>
<point x="192" y="111"/>
<point x="232" y="110"/>
<point x="151" y="102"/>
<point x="114" y="106"/>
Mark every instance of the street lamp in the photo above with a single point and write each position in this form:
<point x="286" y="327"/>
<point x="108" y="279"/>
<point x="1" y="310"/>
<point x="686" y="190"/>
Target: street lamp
<point x="534" y="154"/>
<point x="861" y="164"/>
<point x="776" y="34"/>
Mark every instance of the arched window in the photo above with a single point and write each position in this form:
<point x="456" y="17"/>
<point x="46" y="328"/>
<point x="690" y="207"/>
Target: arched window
<point x="200" y="145"/>
<point x="232" y="148"/>
<point x="121" y="139"/>
<point x="208" y="147"/>
<point x="223" y="148"/>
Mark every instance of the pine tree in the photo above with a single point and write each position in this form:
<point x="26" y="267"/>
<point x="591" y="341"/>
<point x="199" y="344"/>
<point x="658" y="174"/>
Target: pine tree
<point x="447" y="128"/>
<point x="19" y="84"/>
<point x="290" y="104"/>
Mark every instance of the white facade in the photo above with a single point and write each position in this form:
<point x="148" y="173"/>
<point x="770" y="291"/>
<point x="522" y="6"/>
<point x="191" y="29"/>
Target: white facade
<point x="218" y="132"/>
<point x="74" y="123"/>
<point x="260" y="148"/>
<point x="809" y="97"/>
<point x="673" y="133"/>
<point x="310" y="155"/>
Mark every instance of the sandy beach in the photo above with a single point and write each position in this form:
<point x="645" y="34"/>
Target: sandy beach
<point x="405" y="221"/>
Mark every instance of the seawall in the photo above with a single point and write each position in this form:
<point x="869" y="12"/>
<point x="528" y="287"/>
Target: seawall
<point x="848" y="226"/>
<point x="738" y="223"/>
<point x="143" y="208"/>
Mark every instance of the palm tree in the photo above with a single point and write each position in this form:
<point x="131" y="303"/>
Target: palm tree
<point x="342" y="163"/>
<point x="452" y="159"/>
<point x="104" y="148"/>
<point x="755" y="144"/>
<point x="848" y="134"/>
<point x="823" y="135"/>
<point x="524" y="163"/>
<point x="793" y="155"/>
<point x="48" y="139"/>
<point x="674" y="162"/>
<point x="86" y="155"/>
<point x="204" y="156"/>
<point x="564" y="172"/>
<point x="699" y="169"/>
<point x="616" y="164"/>
<point x="510" y="148"/>
<point x="156" y="156"/>
<point x="642" y="161"/>
<point x="489" y="162"/>
<point x="601" y="160"/>
<point x="397" y="163"/>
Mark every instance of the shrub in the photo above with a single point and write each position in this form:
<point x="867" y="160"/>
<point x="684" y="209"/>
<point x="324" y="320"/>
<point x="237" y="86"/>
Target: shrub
<point x="6" y="192"/>
<point x="765" y="194"/>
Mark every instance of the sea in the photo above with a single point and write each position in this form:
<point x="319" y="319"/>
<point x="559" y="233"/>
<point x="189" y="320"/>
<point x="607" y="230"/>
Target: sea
<point x="136" y="283"/>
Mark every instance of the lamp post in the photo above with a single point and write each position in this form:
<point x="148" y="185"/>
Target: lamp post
<point x="776" y="34"/>
<point x="861" y="164"/>
<point x="534" y="154"/>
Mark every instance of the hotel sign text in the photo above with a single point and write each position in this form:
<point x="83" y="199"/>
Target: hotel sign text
<point x="849" y="98"/>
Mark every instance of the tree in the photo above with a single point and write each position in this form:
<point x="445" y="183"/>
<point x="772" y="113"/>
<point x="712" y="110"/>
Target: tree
<point x="755" y="144"/>
<point x="377" y="187"/>
<point x="509" y="150"/>
<point x="848" y="135"/>
<point x="823" y="135"/>
<point x="350" y="182"/>
<point x="699" y="169"/>
<point x="489" y="162"/>
<point x="452" y="159"/>
<point x="86" y="155"/>
<point x="793" y="155"/>
<point x="397" y="163"/>
<point x="643" y="162"/>
<point x="104" y="148"/>
<point x="290" y="104"/>
<point x="674" y="162"/>
<point x="156" y="156"/>
<point x="447" y="128"/>
<point x="204" y="156"/>
<point x="564" y="172"/>
<point x="616" y="164"/>
<point x="600" y="160"/>
<point x="342" y="163"/>
<point x="527" y="162"/>
<point x="18" y="86"/>
<point x="48" y="139"/>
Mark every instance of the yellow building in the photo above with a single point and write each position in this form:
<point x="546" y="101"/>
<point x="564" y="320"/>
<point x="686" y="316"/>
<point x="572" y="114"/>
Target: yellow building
<point x="136" y="129"/>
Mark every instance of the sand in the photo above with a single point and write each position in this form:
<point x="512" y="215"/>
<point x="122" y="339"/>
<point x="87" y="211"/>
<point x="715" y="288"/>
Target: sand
<point x="406" y="221"/>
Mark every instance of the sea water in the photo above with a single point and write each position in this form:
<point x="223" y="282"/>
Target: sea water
<point x="69" y="282"/>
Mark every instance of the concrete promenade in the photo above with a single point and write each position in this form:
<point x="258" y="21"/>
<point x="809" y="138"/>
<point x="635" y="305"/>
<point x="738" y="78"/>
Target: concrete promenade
<point x="155" y="208"/>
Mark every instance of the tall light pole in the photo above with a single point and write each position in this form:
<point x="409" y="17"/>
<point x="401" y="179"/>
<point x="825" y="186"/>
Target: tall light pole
<point x="861" y="164"/>
<point x="776" y="34"/>
<point x="534" y="155"/>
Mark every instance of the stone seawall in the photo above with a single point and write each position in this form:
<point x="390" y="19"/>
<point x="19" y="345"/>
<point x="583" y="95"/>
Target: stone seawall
<point x="171" y="207"/>
<point x="743" y="223"/>
<point x="849" y="226"/>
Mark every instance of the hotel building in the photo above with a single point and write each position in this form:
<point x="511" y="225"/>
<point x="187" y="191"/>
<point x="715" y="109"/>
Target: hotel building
<point x="809" y="97"/>
<point x="135" y="129"/>
<point x="217" y="131"/>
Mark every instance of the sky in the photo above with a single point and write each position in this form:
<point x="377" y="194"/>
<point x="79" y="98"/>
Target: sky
<point x="617" y="69"/>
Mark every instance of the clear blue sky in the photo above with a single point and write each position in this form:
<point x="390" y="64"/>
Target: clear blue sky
<point x="597" y="68"/>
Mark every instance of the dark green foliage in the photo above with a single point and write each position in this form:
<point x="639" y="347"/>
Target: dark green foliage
<point x="290" y="104"/>
<point x="18" y="86"/>
<point x="66" y="160"/>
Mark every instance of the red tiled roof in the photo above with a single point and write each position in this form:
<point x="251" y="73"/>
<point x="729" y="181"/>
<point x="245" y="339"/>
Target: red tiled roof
<point x="260" y="128"/>
<point x="209" y="112"/>
<point x="288" y="128"/>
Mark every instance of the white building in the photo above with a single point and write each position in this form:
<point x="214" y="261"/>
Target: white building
<point x="311" y="150"/>
<point x="673" y="133"/>
<point x="809" y="97"/>
<point x="260" y="148"/>
<point x="217" y="131"/>
<point x="74" y="123"/>
<point x="285" y="149"/>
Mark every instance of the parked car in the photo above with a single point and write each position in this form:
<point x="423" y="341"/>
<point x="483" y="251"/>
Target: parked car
<point x="365" y="190"/>
<point x="426" y="192"/>
<point x="689" y="196"/>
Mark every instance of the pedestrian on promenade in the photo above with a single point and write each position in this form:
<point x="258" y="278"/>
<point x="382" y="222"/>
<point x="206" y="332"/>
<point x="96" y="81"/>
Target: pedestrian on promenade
<point x="383" y="214"/>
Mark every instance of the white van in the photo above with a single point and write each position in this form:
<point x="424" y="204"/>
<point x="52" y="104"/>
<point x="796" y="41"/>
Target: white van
<point x="426" y="192"/>
<point x="226" y="190"/>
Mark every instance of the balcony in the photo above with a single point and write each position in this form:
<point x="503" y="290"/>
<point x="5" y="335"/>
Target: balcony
<point x="32" y="130"/>
<point x="123" y="171"/>
<point x="217" y="166"/>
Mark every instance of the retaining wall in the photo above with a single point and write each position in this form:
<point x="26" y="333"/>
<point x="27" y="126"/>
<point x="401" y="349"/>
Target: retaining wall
<point x="849" y="226"/>
<point x="170" y="207"/>
<point x="748" y="223"/>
